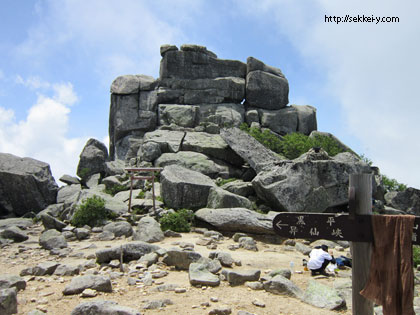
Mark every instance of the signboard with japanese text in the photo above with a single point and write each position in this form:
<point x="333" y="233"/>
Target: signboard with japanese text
<point x="328" y="226"/>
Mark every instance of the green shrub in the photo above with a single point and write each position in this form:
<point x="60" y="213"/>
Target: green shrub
<point x="141" y="195"/>
<point x="113" y="190"/>
<point x="294" y="144"/>
<point x="416" y="255"/>
<point x="179" y="221"/>
<point x="91" y="212"/>
<point x="392" y="184"/>
<point x="265" y="137"/>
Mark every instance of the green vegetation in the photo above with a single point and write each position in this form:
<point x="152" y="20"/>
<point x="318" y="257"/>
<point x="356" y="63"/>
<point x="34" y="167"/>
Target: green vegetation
<point x="294" y="144"/>
<point x="115" y="189"/>
<point x="84" y="172"/>
<point x="141" y="195"/>
<point x="392" y="184"/>
<point x="159" y="198"/>
<point x="416" y="255"/>
<point x="265" y="137"/>
<point x="222" y="181"/>
<point x="91" y="212"/>
<point x="179" y="221"/>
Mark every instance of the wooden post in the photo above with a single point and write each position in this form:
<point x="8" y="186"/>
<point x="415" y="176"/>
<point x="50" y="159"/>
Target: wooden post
<point x="361" y="184"/>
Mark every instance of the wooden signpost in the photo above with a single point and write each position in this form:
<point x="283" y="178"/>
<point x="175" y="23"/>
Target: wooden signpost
<point x="355" y="227"/>
<point x="134" y="174"/>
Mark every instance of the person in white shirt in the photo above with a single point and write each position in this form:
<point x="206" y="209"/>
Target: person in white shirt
<point x="319" y="260"/>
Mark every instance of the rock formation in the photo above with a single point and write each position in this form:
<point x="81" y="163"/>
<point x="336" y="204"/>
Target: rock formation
<point x="196" y="91"/>
<point x="25" y="185"/>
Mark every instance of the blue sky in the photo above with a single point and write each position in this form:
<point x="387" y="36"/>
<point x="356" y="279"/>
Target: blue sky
<point x="59" y="58"/>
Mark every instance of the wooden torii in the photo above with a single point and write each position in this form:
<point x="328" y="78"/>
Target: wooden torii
<point x="355" y="227"/>
<point x="134" y="175"/>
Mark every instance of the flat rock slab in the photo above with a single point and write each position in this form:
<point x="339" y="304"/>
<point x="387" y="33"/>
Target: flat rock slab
<point x="10" y="281"/>
<point x="249" y="149"/>
<point x="14" y="233"/>
<point x="131" y="251"/>
<point x="236" y="219"/>
<point x="78" y="284"/>
<point x="200" y="275"/>
<point x="241" y="276"/>
<point x="322" y="296"/>
<point x="103" y="308"/>
<point x="180" y="259"/>
<point x="283" y="286"/>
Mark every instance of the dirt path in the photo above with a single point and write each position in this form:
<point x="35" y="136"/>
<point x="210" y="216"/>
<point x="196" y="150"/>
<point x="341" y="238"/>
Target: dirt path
<point x="45" y="293"/>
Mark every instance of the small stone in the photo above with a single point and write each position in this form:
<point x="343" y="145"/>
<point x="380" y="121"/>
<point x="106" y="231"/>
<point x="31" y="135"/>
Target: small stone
<point x="205" y="304"/>
<point x="88" y="293"/>
<point x="214" y="299"/>
<point x="258" y="303"/>
<point x="180" y="290"/>
<point x="221" y="311"/>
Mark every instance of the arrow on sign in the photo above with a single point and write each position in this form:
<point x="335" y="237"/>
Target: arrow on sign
<point x="280" y="225"/>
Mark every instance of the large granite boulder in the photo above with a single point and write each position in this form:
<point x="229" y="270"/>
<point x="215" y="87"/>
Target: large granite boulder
<point x="126" y="118"/>
<point x="194" y="161"/>
<point x="306" y="118"/>
<point x="169" y="141"/>
<point x="221" y="115"/>
<point x="212" y="145"/>
<point x="183" y="188"/>
<point x="8" y="301"/>
<point x="407" y="200"/>
<point x="281" y="121"/>
<point x="92" y="159"/>
<point x="132" y="84"/>
<point x="249" y="149"/>
<point x="220" y="198"/>
<point x="25" y="185"/>
<point x="313" y="182"/>
<point x="213" y="91"/>
<point x="148" y="230"/>
<point x="180" y="115"/>
<point x="196" y="62"/>
<point x="236" y="219"/>
<point x="266" y="87"/>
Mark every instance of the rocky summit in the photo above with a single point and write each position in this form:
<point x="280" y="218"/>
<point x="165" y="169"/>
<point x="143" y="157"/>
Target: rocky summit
<point x="214" y="127"/>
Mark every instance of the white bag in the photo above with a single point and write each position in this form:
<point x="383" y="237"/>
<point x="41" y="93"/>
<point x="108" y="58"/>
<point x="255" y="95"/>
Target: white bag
<point x="332" y="267"/>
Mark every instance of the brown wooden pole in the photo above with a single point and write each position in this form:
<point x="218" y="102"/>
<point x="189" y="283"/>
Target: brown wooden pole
<point x="131" y="191"/>
<point x="361" y="251"/>
<point x="153" y="191"/>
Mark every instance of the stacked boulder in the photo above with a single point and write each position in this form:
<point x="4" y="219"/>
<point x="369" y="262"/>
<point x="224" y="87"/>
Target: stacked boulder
<point x="197" y="94"/>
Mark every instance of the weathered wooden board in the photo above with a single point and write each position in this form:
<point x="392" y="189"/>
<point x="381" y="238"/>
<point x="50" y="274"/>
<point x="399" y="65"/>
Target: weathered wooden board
<point x="328" y="226"/>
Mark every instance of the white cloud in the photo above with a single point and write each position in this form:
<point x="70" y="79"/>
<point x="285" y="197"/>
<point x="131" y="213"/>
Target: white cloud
<point x="32" y="82"/>
<point x="371" y="71"/>
<point x="65" y="94"/>
<point x="119" y="37"/>
<point x="43" y="133"/>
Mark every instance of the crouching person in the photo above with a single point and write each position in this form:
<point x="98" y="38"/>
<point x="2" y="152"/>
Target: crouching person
<point x="319" y="260"/>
